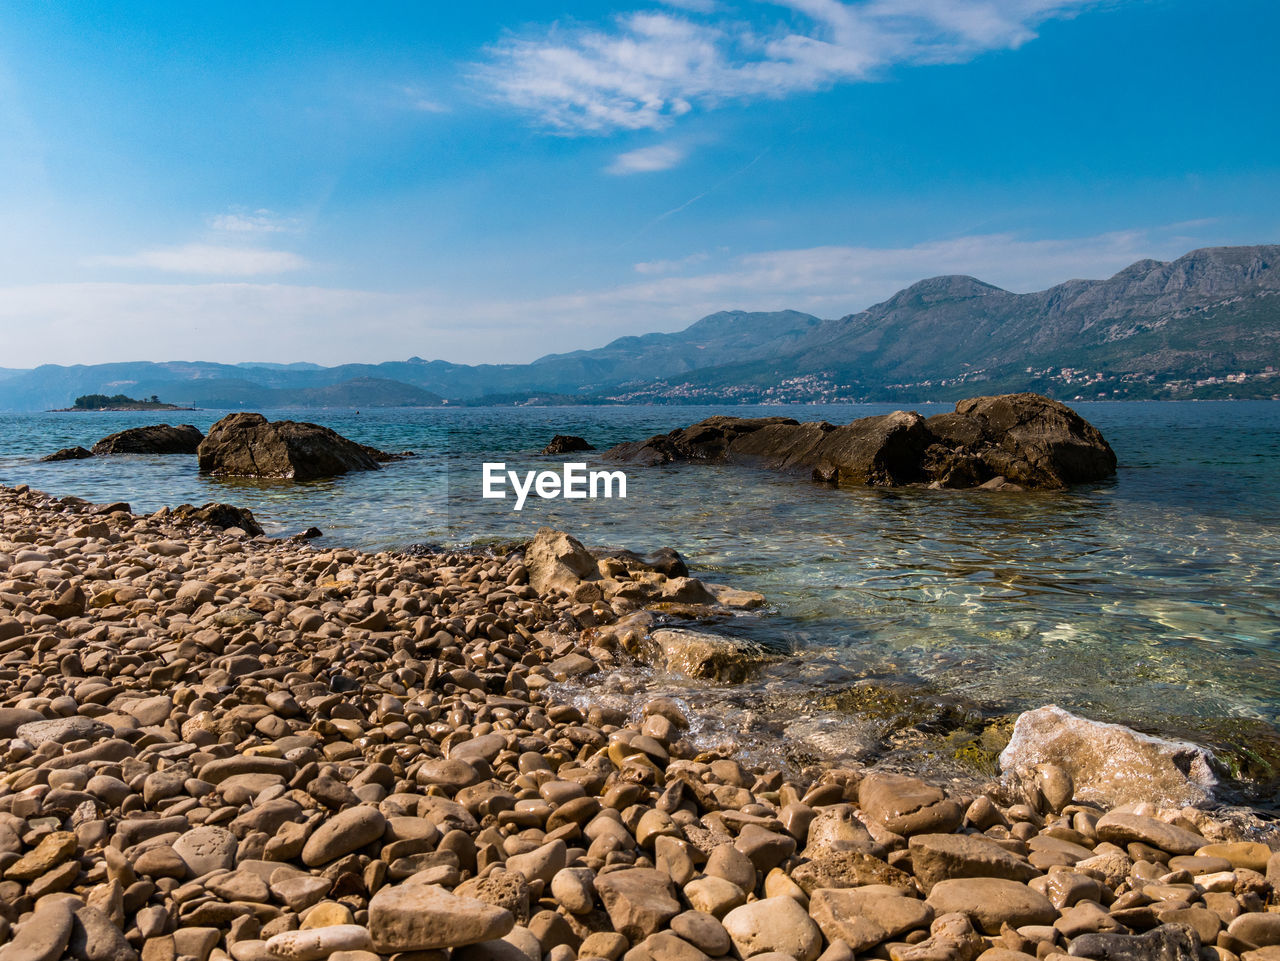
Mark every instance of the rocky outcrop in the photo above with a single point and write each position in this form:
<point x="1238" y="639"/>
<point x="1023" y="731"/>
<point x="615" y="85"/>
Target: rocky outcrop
<point x="1109" y="763"/>
<point x="1009" y="441"/>
<point x="566" y="444"/>
<point x="67" y="453"/>
<point x="152" y="439"/>
<point x="248" y="445"/>
<point x="221" y="516"/>
<point x="557" y="561"/>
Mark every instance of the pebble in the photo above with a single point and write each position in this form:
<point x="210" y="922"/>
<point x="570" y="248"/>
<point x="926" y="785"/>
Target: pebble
<point x="258" y="750"/>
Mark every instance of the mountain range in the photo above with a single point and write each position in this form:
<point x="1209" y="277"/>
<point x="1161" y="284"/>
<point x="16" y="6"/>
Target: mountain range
<point x="1205" y="325"/>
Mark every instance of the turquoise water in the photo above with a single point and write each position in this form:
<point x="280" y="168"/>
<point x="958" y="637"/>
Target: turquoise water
<point x="1152" y="599"/>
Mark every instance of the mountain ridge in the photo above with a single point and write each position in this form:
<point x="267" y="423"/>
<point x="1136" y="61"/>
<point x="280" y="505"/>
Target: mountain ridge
<point x="1206" y="324"/>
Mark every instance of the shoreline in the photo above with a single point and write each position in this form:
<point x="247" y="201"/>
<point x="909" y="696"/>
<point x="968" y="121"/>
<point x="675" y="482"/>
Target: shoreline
<point x="224" y="746"/>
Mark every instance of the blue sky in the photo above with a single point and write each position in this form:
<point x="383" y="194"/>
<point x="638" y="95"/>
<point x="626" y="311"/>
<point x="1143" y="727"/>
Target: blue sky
<point x="332" y="182"/>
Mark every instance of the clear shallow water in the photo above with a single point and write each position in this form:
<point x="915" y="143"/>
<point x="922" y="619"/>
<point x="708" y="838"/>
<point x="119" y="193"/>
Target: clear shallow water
<point x="1153" y="599"/>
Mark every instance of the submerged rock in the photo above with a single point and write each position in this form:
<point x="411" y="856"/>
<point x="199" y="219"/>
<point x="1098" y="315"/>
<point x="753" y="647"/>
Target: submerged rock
<point x="1011" y="440"/>
<point x="67" y="453"/>
<point x="1109" y="763"/>
<point x="566" y="444"/>
<point x="701" y="655"/>
<point x="152" y="439"/>
<point x="248" y="445"/>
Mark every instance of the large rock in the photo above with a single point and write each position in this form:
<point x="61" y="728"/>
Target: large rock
<point x="217" y="515"/>
<point x="939" y="857"/>
<point x="1024" y="439"/>
<point x="700" y="654"/>
<point x="44" y="935"/>
<point x="638" y="900"/>
<point x="558" y="561"/>
<point x="566" y="444"/>
<point x="152" y="439"/>
<point x="248" y="445"/>
<point x="1110" y="764"/>
<point x="426" y="917"/>
<point x="774" y="924"/>
<point x="991" y="902"/>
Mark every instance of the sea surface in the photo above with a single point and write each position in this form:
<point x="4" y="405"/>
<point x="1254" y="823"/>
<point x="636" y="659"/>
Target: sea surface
<point x="910" y="620"/>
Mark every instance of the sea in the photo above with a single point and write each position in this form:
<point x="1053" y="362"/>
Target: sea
<point x="907" y="623"/>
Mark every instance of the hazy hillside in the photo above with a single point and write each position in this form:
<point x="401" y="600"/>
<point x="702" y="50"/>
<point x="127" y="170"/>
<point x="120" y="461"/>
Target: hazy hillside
<point x="1204" y="325"/>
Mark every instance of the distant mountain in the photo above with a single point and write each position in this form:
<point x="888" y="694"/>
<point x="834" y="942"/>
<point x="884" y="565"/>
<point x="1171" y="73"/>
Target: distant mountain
<point x="1204" y="325"/>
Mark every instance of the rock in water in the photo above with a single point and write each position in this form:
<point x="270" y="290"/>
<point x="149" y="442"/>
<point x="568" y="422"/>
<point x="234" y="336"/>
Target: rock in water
<point x="152" y="439"/>
<point x="1110" y="764"/>
<point x="566" y="444"/>
<point x="248" y="445"/>
<point x="1019" y="440"/>
<point x="67" y="453"/>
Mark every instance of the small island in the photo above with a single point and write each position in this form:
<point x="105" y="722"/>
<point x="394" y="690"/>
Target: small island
<point x="103" y="402"/>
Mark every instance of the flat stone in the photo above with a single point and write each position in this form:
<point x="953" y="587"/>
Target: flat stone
<point x="1123" y="829"/>
<point x="52" y="850"/>
<point x="884" y="916"/>
<point x="206" y="849"/>
<point x="1241" y="854"/>
<point x="774" y="924"/>
<point x="1165" y="943"/>
<point x="63" y="730"/>
<point x="937" y="857"/>
<point x="412" y="917"/>
<point x="318" y="943"/>
<point x="906" y="805"/>
<point x="992" y="902"/>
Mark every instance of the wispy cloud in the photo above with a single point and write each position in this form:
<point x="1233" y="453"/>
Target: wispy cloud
<point x="643" y="69"/>
<point x="671" y="266"/>
<point x="646" y="160"/>
<point x="422" y="101"/>
<point x="89" y="322"/>
<point x="207" y="259"/>
<point x="260" y="221"/>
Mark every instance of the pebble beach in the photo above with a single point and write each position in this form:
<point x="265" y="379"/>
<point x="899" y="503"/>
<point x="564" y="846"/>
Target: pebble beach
<point x="223" y="745"/>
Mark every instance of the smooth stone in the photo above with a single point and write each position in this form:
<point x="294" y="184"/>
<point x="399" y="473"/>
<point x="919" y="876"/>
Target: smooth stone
<point x="1124" y="829"/>
<point x="317" y="943"/>
<point x="343" y="833"/>
<point x="938" y="857"/>
<point x="992" y="902"/>
<point x="425" y="917"/>
<point x="43" y="936"/>
<point x="206" y="849"/>
<point x="774" y="924"/>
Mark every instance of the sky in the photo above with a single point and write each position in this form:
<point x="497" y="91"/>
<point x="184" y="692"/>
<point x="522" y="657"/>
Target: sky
<point x="491" y="182"/>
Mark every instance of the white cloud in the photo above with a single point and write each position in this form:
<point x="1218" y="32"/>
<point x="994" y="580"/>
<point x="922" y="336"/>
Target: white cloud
<point x="259" y="221"/>
<point x="646" y="160"/>
<point x="207" y="259"/>
<point x="98" y="322"/>
<point x="644" y="69"/>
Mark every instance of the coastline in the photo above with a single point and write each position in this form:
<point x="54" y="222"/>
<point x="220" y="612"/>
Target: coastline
<point x="259" y="748"/>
